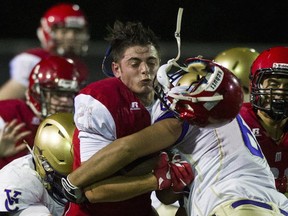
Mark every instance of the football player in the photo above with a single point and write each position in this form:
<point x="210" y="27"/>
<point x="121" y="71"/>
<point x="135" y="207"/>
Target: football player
<point x="117" y="106"/>
<point x="53" y="84"/>
<point x="201" y="118"/>
<point x="30" y="185"/>
<point x="63" y="31"/>
<point x="267" y="114"/>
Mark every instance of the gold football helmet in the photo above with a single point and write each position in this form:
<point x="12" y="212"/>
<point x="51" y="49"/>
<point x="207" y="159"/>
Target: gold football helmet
<point x="239" y="61"/>
<point x="53" y="151"/>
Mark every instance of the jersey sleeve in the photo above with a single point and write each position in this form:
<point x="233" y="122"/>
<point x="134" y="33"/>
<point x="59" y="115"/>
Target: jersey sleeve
<point x="94" y="133"/>
<point x="160" y="112"/>
<point x="21" y="67"/>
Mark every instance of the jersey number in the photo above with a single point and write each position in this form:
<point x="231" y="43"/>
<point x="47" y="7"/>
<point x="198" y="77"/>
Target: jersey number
<point x="249" y="138"/>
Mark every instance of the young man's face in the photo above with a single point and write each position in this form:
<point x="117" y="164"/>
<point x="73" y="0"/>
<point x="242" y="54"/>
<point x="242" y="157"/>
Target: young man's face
<point x="279" y="86"/>
<point x="60" y="101"/>
<point x="137" y="68"/>
<point x="70" y="41"/>
<point x="273" y="98"/>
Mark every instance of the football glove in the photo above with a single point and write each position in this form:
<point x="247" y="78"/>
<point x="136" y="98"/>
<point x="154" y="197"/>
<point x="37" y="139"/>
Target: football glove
<point x="71" y="192"/>
<point x="181" y="173"/>
<point x="162" y="172"/>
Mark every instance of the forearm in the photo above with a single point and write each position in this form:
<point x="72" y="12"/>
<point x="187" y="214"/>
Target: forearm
<point x="12" y="89"/>
<point x="120" y="188"/>
<point x="125" y="150"/>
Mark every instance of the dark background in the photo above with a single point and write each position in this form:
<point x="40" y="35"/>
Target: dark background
<point x="208" y="26"/>
<point x="203" y="20"/>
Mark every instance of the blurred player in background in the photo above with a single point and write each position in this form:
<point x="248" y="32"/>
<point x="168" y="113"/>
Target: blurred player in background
<point x="30" y="185"/>
<point x="63" y="31"/>
<point x="239" y="60"/>
<point x="53" y="84"/>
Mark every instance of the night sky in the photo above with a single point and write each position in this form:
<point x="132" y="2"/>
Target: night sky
<point x="203" y="21"/>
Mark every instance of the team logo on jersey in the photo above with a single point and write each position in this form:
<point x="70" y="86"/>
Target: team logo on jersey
<point x="256" y="132"/>
<point x="12" y="199"/>
<point x="134" y="106"/>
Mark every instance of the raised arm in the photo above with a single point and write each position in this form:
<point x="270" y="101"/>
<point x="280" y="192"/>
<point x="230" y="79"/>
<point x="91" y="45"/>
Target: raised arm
<point x="12" y="89"/>
<point x="9" y="136"/>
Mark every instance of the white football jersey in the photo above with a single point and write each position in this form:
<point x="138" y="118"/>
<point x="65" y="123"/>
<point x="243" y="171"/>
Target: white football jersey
<point x="22" y="193"/>
<point x="21" y="67"/>
<point x="228" y="164"/>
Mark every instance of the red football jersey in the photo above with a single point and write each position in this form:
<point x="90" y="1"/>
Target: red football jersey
<point x="129" y="116"/>
<point x="18" y="109"/>
<point x="275" y="153"/>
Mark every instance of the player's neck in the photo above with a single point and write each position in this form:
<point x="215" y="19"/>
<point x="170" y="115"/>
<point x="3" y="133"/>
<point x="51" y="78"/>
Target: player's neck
<point x="273" y="128"/>
<point x="146" y="99"/>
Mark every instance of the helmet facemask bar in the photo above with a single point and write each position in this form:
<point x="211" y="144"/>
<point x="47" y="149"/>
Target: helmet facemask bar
<point x="51" y="179"/>
<point x="273" y="101"/>
<point x="52" y="101"/>
<point x="160" y="91"/>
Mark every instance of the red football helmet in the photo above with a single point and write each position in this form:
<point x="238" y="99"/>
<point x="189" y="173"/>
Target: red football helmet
<point x="207" y="95"/>
<point x="64" y="30"/>
<point x="53" y="84"/>
<point x="271" y="63"/>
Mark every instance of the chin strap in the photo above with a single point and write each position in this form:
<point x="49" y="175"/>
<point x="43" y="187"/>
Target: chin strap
<point x="29" y="149"/>
<point x="177" y="34"/>
<point x="162" y="77"/>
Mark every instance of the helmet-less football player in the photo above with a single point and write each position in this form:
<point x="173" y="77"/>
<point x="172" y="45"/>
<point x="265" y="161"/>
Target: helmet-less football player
<point x="30" y="185"/>
<point x="63" y="31"/>
<point x="239" y="61"/>
<point x="232" y="176"/>
<point x="53" y="84"/>
<point x="267" y="114"/>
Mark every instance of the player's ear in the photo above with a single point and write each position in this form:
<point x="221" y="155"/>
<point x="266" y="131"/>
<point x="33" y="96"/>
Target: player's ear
<point x="116" y="69"/>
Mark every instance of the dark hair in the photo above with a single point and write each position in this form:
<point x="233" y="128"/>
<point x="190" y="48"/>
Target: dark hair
<point x="123" y="36"/>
